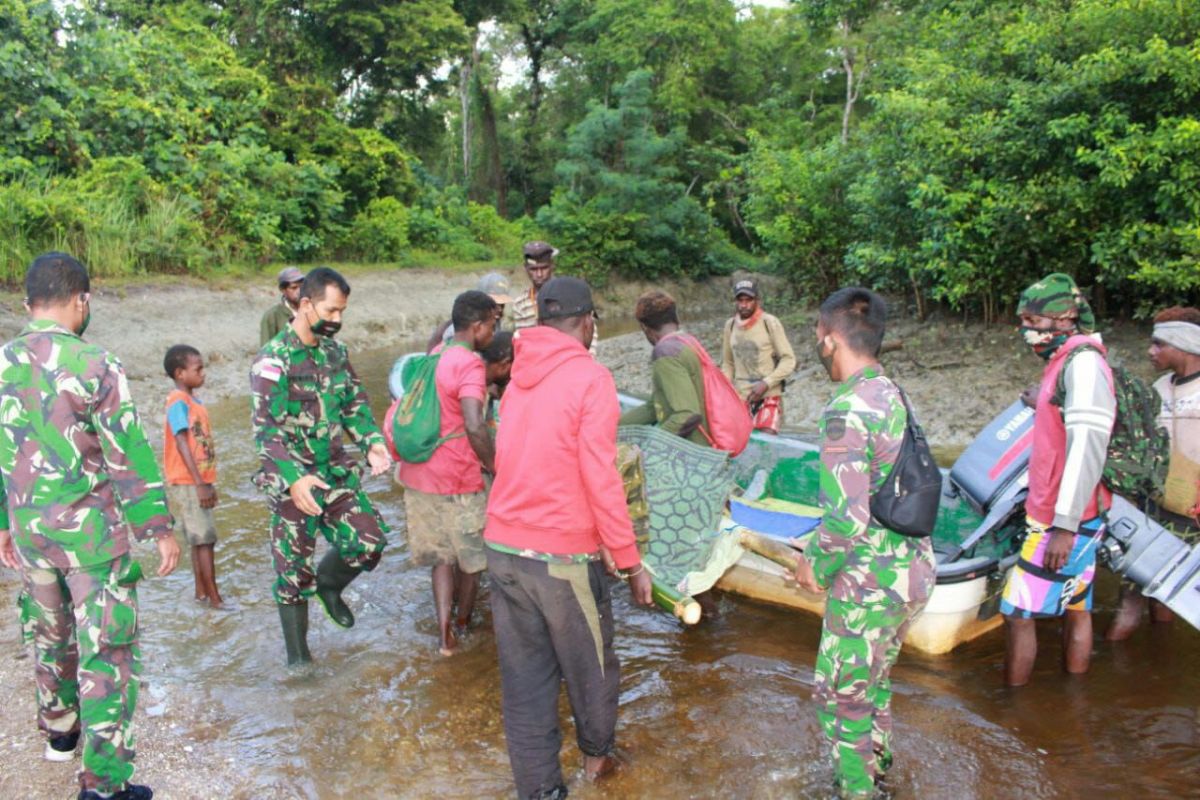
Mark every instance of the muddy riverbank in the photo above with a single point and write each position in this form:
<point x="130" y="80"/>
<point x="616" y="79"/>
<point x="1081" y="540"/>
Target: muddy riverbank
<point x="717" y="711"/>
<point x="957" y="375"/>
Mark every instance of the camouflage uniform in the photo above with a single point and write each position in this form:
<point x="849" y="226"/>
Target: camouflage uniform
<point x="71" y="444"/>
<point x="25" y="617"/>
<point x="304" y="398"/>
<point x="877" y="579"/>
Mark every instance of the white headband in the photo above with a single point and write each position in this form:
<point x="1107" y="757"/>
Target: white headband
<point x="1183" y="336"/>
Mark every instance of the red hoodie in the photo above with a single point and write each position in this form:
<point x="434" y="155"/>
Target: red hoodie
<point x="557" y="489"/>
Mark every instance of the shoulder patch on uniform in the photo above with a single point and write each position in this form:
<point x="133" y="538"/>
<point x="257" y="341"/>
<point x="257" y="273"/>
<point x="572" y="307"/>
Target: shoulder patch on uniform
<point x="835" y="428"/>
<point x="270" y="369"/>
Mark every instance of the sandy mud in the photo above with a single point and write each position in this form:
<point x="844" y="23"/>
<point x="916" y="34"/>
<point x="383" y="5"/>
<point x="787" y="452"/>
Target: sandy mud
<point x="957" y="375"/>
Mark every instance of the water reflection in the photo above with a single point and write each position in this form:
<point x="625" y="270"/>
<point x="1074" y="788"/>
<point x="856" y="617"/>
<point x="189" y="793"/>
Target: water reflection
<point x="721" y="710"/>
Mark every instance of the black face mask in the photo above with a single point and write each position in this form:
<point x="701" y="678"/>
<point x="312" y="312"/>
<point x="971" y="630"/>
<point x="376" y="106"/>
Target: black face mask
<point x="826" y="360"/>
<point x="324" y="327"/>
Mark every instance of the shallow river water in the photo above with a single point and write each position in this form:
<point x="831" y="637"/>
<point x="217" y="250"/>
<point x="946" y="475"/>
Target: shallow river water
<point x="721" y="710"/>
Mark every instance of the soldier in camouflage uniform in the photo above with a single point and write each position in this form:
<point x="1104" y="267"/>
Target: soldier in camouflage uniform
<point x="306" y="400"/>
<point x="877" y="580"/>
<point x="77" y="478"/>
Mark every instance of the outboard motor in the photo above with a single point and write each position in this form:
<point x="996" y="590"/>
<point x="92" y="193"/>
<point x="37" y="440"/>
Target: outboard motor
<point x="992" y="474"/>
<point x="1142" y="550"/>
<point x="997" y="460"/>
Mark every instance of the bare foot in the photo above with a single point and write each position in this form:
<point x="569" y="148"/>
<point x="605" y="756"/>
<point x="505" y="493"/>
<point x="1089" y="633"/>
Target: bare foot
<point x="449" y="642"/>
<point x="1127" y="618"/>
<point x="597" y="768"/>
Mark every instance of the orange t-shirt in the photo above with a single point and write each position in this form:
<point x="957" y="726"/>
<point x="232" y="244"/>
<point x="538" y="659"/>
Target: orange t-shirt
<point x="186" y="413"/>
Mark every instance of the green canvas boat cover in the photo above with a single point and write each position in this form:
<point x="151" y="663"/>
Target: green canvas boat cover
<point x="685" y="489"/>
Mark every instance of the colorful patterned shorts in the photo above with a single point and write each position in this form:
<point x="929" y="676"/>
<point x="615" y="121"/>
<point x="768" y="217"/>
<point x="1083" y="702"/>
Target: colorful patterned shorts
<point x="446" y="529"/>
<point x="1034" y="592"/>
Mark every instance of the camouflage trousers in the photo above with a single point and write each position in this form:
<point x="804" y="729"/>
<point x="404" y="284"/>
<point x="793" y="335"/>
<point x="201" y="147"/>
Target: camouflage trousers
<point x="25" y="617"/>
<point x="348" y="522"/>
<point x="859" y="644"/>
<point x="85" y="628"/>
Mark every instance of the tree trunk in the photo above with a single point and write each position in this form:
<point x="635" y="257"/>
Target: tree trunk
<point x="491" y="142"/>
<point x="535" y="51"/>
<point x="464" y="97"/>
<point x="853" y="81"/>
<point x="918" y="298"/>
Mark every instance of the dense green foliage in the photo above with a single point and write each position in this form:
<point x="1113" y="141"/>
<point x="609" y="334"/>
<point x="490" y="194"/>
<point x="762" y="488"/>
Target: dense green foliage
<point x="953" y="150"/>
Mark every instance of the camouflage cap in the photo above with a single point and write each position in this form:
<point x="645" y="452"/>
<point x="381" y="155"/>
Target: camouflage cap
<point x="497" y="286"/>
<point x="1057" y="295"/>
<point x="537" y="252"/>
<point x="289" y="275"/>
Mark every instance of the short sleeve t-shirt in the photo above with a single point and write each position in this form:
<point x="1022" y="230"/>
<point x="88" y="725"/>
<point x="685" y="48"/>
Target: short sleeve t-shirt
<point x="186" y="413"/>
<point x="453" y="468"/>
<point x="1180" y="415"/>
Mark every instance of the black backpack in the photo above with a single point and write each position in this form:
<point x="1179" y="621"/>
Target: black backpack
<point x="908" y="501"/>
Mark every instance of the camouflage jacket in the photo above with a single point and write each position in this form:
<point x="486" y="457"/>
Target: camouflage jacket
<point x="77" y="474"/>
<point x="304" y="398"/>
<point x="855" y="558"/>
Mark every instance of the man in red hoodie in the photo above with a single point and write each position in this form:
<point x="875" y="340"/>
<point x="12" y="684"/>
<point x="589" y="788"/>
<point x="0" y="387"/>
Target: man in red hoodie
<point x="556" y="514"/>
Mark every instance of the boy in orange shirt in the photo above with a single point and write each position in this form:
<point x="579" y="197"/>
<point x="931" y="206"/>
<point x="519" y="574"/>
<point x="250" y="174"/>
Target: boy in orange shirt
<point x="191" y="466"/>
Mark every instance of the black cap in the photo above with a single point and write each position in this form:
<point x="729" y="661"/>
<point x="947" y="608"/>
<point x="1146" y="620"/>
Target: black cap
<point x="746" y="287"/>
<point x="564" y="297"/>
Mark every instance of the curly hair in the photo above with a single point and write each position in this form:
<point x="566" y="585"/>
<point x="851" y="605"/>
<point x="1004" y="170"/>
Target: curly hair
<point x="655" y="309"/>
<point x="177" y="358"/>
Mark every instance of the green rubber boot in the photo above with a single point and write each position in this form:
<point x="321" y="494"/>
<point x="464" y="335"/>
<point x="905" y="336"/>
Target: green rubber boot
<point x="294" y="620"/>
<point x="334" y="575"/>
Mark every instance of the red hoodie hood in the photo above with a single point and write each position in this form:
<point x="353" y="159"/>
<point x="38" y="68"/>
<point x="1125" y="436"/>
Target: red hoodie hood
<point x="557" y="489"/>
<point x="540" y="350"/>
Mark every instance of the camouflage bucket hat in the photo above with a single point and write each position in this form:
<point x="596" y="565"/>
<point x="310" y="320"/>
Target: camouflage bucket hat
<point x="1056" y="295"/>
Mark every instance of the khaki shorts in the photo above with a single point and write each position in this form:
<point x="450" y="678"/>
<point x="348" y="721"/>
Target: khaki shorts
<point x="446" y="529"/>
<point x="196" y="523"/>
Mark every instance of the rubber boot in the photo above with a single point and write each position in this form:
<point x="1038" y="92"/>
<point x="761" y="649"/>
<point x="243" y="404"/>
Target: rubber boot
<point x="333" y="575"/>
<point x="294" y="620"/>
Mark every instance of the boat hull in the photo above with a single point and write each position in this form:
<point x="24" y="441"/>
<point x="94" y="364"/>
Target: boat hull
<point x="951" y="618"/>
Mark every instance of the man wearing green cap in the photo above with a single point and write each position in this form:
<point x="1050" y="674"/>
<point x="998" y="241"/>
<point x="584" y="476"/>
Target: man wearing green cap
<point x="1075" y="410"/>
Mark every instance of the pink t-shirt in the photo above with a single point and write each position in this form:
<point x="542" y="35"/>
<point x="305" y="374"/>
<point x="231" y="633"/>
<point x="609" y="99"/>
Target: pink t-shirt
<point x="453" y="468"/>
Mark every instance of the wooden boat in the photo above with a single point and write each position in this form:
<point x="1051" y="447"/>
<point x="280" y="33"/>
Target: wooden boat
<point x="975" y="540"/>
<point x="977" y="534"/>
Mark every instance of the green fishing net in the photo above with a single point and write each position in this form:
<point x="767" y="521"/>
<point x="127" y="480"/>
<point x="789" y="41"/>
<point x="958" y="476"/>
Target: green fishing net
<point x="677" y="499"/>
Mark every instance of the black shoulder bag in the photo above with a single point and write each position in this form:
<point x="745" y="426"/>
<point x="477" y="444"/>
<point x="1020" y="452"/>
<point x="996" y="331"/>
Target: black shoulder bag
<point x="908" y="501"/>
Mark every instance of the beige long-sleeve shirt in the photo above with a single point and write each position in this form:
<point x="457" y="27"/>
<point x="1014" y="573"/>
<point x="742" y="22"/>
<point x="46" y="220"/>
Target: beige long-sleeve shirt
<point x="760" y="352"/>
